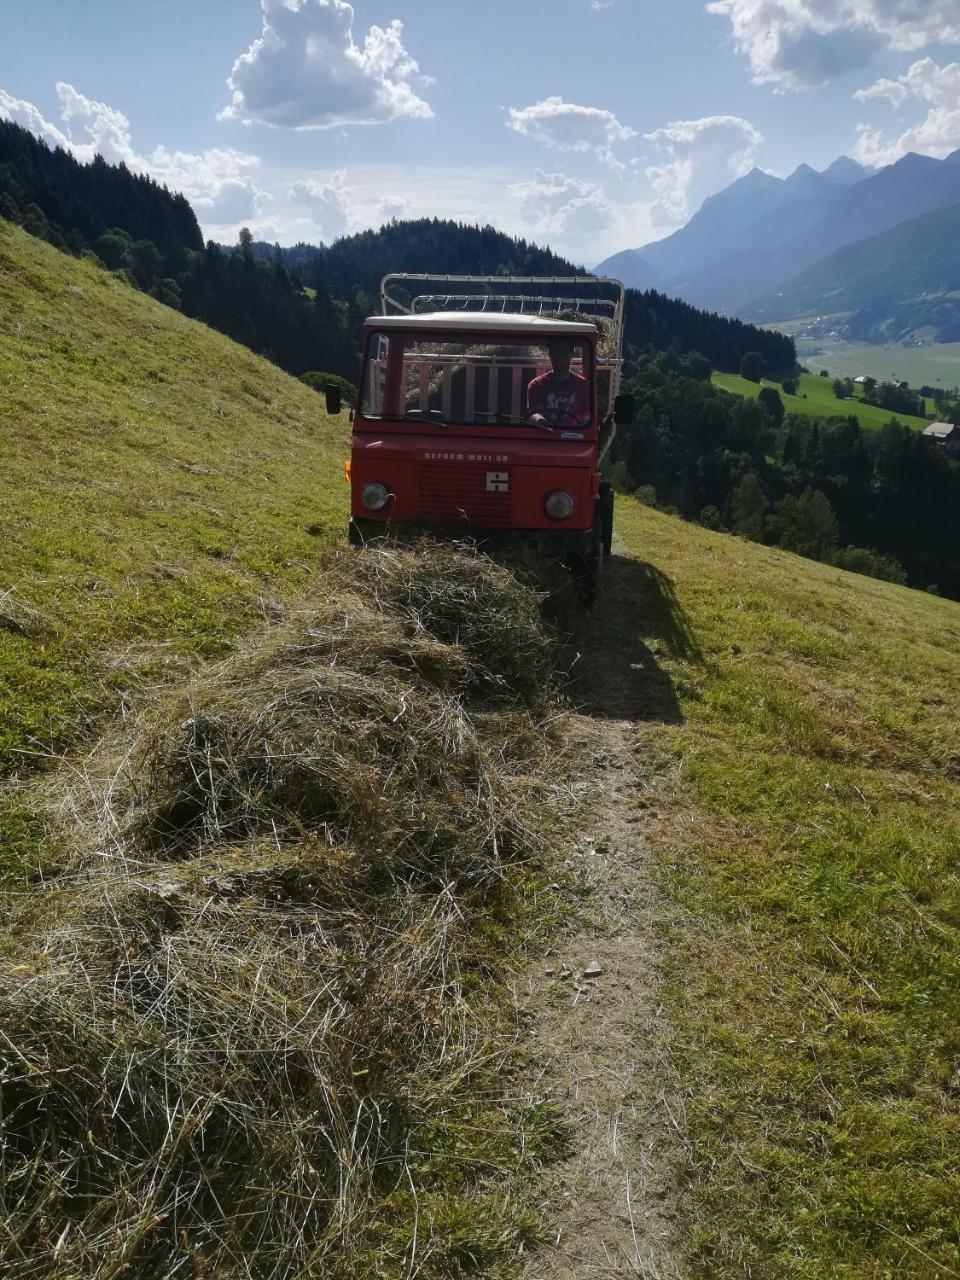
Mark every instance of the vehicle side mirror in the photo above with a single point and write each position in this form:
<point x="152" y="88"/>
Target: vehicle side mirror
<point x="334" y="403"/>
<point x="623" y="410"/>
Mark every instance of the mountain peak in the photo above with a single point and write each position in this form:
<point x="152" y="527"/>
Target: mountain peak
<point x="755" y="181"/>
<point x="845" y="172"/>
<point x="804" y="177"/>
<point x="913" y="160"/>
<point x="757" y="177"/>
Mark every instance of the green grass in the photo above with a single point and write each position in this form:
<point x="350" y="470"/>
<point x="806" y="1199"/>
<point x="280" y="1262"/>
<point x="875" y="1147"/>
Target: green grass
<point x="936" y="365"/>
<point x="160" y="484"/>
<point x="815" y="399"/>
<point x="814" y="953"/>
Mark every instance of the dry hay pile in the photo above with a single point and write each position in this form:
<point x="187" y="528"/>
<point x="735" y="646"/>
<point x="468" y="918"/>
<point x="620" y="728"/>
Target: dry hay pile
<point x="602" y="323"/>
<point x="233" y="1034"/>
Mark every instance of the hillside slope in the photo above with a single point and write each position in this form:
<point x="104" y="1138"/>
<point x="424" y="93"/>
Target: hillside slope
<point x="790" y="731"/>
<point x="915" y="259"/>
<point x="158" y="483"/>
<point x="815" y="399"/>
<point x="798" y="754"/>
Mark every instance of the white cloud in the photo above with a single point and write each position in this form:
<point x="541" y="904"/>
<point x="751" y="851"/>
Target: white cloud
<point x="329" y="203"/>
<point x="335" y="207"/>
<point x="703" y="156"/>
<point x="218" y="183"/>
<point x="796" y="43"/>
<point x="670" y="186"/>
<point x="566" y="126"/>
<point x="895" y="90"/>
<point x="305" y="70"/>
<point x="107" y="129"/>
<point x="578" y="218"/>
<point x="16" y="111"/>
<point x="555" y="205"/>
<point x="391" y="207"/>
<point x="236" y="201"/>
<point x="937" y="135"/>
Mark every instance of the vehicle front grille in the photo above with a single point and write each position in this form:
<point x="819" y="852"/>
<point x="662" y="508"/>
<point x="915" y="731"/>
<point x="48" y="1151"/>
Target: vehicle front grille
<point x="461" y="493"/>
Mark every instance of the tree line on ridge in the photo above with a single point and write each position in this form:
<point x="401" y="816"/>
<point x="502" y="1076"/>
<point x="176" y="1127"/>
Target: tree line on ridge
<point x="256" y="294"/>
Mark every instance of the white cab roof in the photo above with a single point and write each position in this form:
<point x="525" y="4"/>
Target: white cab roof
<point x="499" y="321"/>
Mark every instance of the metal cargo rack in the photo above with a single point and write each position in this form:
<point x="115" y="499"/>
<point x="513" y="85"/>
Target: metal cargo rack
<point x="545" y="296"/>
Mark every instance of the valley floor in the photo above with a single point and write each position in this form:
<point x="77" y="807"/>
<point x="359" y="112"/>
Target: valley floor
<point x="936" y="364"/>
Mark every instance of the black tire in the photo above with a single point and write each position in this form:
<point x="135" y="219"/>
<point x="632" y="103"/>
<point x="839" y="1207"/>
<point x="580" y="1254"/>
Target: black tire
<point x="585" y="567"/>
<point x="605" y="500"/>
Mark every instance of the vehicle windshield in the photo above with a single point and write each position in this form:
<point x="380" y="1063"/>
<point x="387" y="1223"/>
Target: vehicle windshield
<point x="547" y="383"/>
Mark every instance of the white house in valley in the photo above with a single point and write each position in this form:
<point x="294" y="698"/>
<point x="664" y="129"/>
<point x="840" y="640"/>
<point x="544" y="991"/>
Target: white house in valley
<point x="944" y="433"/>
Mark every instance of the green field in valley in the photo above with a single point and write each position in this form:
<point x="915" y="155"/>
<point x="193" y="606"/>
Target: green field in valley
<point x="815" y="399"/>
<point x="934" y="364"/>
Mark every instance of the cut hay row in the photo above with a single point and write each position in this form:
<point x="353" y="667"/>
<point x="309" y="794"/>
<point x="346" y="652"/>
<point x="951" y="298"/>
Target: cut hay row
<point x="234" y="1038"/>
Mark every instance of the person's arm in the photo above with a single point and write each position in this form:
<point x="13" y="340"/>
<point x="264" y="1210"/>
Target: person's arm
<point x="536" y="395"/>
<point x="584" y="403"/>
<point x="580" y="411"/>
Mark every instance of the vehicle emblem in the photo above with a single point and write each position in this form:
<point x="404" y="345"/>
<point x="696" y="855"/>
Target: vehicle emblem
<point x="498" y="482"/>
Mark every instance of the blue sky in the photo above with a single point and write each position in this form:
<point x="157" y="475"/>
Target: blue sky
<point x="591" y="125"/>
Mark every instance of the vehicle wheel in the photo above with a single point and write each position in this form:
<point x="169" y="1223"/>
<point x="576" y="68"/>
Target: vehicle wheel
<point x="585" y="567"/>
<point x="605" y="501"/>
<point x="587" y="584"/>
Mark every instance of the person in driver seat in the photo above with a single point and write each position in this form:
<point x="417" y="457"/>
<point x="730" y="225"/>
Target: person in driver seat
<point x="560" y="398"/>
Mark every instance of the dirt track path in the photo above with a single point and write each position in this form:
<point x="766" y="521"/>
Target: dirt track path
<point x="601" y="1039"/>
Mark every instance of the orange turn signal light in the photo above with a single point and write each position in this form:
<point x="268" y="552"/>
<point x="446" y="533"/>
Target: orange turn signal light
<point x="347" y="470"/>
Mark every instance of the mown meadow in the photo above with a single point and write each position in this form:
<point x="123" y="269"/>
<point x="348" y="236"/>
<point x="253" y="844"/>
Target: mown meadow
<point x="812" y="936"/>
<point x="169" y="495"/>
<point x="162" y="487"/>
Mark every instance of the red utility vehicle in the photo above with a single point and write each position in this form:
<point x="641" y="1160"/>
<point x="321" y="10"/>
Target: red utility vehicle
<point x="486" y="412"/>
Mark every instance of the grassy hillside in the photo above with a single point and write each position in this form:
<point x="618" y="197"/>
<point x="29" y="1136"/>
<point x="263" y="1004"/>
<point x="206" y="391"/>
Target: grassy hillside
<point x="163" y="486"/>
<point x="809" y="845"/>
<point x="334" y="907"/>
<point x="815" y="399"/>
<point x="159" y="484"/>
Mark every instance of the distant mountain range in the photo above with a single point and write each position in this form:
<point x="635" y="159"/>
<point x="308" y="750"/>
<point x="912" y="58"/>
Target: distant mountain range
<point x="769" y="248"/>
<point x="889" y="286"/>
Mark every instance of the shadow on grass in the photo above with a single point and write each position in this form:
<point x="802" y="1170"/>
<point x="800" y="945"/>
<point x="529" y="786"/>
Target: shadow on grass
<point x="618" y="676"/>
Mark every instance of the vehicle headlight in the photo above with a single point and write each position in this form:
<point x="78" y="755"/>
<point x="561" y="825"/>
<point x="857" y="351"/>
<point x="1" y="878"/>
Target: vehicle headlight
<point x="559" y="505"/>
<point x="375" y="496"/>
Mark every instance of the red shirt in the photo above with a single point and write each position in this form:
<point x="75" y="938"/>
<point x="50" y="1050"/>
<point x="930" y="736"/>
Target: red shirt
<point x="563" y="403"/>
